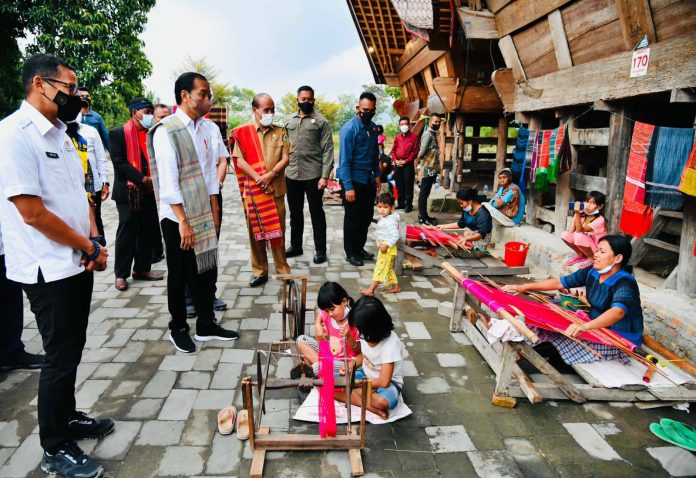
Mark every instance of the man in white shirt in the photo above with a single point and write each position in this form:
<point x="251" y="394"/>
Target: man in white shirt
<point x="46" y="226"/>
<point x="184" y="176"/>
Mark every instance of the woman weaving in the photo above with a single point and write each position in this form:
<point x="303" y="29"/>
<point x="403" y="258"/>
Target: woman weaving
<point x="614" y="299"/>
<point x="476" y="221"/>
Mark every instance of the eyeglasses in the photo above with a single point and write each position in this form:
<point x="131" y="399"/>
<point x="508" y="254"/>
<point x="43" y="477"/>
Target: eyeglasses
<point x="72" y="87"/>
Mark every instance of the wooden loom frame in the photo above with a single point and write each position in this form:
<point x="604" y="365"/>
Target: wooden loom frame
<point x="261" y="439"/>
<point x="512" y="382"/>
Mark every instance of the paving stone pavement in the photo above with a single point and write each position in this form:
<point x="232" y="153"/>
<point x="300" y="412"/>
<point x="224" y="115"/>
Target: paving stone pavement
<point x="165" y="402"/>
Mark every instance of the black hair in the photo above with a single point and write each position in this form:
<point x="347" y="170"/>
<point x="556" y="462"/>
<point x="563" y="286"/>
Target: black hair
<point x="41" y="64"/>
<point x="380" y="130"/>
<point x="505" y="172"/>
<point x="366" y="95"/>
<point x="620" y="245"/>
<point x="599" y="198"/>
<point x="305" y="88"/>
<point x="437" y="115"/>
<point x="467" y="194"/>
<point x="385" y="198"/>
<point x="404" y="118"/>
<point x="186" y="82"/>
<point x="84" y="88"/>
<point x="255" y="100"/>
<point x="371" y="318"/>
<point x="332" y="293"/>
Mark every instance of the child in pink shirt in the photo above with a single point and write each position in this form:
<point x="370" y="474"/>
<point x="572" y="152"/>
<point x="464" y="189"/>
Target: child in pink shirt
<point x="586" y="230"/>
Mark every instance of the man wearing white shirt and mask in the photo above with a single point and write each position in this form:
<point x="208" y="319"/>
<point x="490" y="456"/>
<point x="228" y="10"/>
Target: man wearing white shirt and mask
<point x="184" y="176"/>
<point x="46" y="226"/>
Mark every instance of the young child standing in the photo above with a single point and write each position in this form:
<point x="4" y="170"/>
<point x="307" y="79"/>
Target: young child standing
<point x="331" y="324"/>
<point x="586" y="230"/>
<point x="381" y="356"/>
<point x="387" y="237"/>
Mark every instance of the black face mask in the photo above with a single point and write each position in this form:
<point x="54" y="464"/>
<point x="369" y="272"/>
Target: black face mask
<point x="434" y="127"/>
<point x="366" y="116"/>
<point x="306" y="107"/>
<point x="68" y="106"/>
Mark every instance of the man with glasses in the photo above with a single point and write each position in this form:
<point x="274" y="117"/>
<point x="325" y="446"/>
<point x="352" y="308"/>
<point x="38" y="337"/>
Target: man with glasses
<point x="311" y="163"/>
<point x="183" y="156"/>
<point x="92" y="118"/>
<point x="46" y="227"/>
<point x="134" y="196"/>
<point x="358" y="171"/>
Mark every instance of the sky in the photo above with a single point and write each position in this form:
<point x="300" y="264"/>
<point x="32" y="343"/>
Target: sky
<point x="271" y="46"/>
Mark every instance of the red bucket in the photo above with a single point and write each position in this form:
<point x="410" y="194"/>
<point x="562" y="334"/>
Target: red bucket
<point x="516" y="253"/>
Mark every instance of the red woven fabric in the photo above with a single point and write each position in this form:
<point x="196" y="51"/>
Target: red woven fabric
<point x="636" y="216"/>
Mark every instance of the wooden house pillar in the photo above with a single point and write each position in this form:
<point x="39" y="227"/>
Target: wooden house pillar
<point x="500" y="150"/>
<point x="620" y="131"/>
<point x="563" y="193"/>
<point x="532" y="195"/>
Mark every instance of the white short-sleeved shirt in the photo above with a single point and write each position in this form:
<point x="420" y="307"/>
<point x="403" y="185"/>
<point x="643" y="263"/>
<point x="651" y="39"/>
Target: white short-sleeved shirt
<point x="389" y="350"/>
<point x="2" y="249"/>
<point x="39" y="159"/>
<point x="209" y="147"/>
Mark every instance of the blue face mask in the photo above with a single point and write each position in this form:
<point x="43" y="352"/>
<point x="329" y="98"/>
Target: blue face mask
<point x="147" y="121"/>
<point x="467" y="209"/>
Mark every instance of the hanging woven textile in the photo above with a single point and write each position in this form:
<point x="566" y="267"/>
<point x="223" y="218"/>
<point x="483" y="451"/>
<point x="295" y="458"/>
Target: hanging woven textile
<point x="519" y="156"/>
<point x="541" y="175"/>
<point x="687" y="184"/>
<point x="327" y="409"/>
<point x="636" y="216"/>
<point x="664" y="172"/>
<point x="558" y="148"/>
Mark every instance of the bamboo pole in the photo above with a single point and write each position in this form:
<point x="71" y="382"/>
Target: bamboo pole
<point x="680" y="362"/>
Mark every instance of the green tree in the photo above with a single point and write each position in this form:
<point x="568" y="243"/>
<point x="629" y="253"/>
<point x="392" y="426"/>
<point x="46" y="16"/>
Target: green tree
<point x="100" y="39"/>
<point x="331" y="110"/>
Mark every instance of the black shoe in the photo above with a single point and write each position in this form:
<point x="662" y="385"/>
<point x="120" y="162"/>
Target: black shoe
<point x="191" y="311"/>
<point x="219" y="305"/>
<point x="355" y="260"/>
<point x="408" y="209"/>
<point x="84" y="427"/>
<point x="182" y="341"/>
<point x="23" y="360"/>
<point x="366" y="255"/>
<point x="425" y="222"/>
<point x="156" y="259"/>
<point x="293" y="252"/>
<point x="257" y="281"/>
<point x="71" y="462"/>
<point x="319" y="258"/>
<point x="214" y="332"/>
<point x="432" y="221"/>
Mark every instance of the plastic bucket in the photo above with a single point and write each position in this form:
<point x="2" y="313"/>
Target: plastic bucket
<point x="516" y="253"/>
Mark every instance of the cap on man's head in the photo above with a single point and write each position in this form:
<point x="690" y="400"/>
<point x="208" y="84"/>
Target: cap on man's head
<point x="139" y="104"/>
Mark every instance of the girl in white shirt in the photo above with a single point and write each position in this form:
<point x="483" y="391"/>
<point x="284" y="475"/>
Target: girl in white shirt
<point x="381" y="358"/>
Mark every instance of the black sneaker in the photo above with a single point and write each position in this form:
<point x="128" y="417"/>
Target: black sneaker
<point x="84" y="427"/>
<point x="219" y="305"/>
<point x="182" y="341"/>
<point x="293" y="252"/>
<point x="70" y="461"/>
<point x="432" y="221"/>
<point x="214" y="332"/>
<point x="23" y="360"/>
<point x="424" y="222"/>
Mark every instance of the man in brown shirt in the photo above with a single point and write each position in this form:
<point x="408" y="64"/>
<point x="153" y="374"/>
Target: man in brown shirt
<point x="276" y="153"/>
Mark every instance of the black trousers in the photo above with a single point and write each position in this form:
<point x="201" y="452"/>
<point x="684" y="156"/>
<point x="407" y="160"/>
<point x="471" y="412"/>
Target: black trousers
<point x="296" y="194"/>
<point x="134" y="237"/>
<point x="182" y="272"/>
<point x="357" y="217"/>
<point x="62" y="309"/>
<point x="96" y="198"/>
<point x="405" y="177"/>
<point x="12" y="311"/>
<point x="426" y="185"/>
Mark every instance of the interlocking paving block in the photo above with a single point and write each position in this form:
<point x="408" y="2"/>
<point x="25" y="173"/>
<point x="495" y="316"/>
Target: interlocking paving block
<point x="160" y="385"/>
<point x="24" y="460"/>
<point x="145" y="408"/>
<point x="116" y="445"/>
<point x="178" y="405"/>
<point x="497" y="463"/>
<point x="417" y="330"/>
<point x="160" y="433"/>
<point x="226" y="451"/>
<point x="197" y="380"/>
<point x="591" y="441"/>
<point x="213" y="399"/>
<point x="449" y="439"/>
<point x="675" y="460"/>
<point x="178" y="363"/>
<point x="237" y="356"/>
<point x="451" y="360"/>
<point x="182" y="461"/>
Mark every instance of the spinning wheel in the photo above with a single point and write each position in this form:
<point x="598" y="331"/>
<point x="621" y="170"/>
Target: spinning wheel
<point x="294" y="304"/>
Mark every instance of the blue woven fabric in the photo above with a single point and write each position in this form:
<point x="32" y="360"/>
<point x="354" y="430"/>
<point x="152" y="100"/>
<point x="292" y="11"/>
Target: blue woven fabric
<point x="672" y="149"/>
<point x="519" y="157"/>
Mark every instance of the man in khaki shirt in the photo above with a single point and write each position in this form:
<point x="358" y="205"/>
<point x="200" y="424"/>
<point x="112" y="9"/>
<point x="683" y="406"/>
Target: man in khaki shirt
<point x="276" y="153"/>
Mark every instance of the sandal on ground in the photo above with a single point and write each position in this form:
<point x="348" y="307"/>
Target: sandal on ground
<point x="243" y="425"/>
<point x="669" y="433"/>
<point x="226" y="418"/>
<point x="121" y="284"/>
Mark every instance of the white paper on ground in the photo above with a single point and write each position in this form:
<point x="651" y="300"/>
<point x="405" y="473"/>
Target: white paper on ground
<point x="309" y="411"/>
<point x="613" y="374"/>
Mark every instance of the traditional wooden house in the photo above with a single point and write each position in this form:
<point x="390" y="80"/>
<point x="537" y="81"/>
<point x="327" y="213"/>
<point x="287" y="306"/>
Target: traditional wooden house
<point x="574" y="62"/>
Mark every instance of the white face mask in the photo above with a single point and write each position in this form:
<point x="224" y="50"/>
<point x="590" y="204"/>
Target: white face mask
<point x="606" y="269"/>
<point x="346" y="311"/>
<point x="266" y="119"/>
<point x="404" y="128"/>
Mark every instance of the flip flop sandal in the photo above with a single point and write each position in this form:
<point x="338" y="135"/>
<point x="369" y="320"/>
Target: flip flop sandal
<point x="681" y="428"/>
<point x="226" y="418"/>
<point x="660" y="432"/>
<point x="243" y="425"/>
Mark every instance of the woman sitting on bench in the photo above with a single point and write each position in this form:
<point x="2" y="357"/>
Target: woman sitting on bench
<point x="476" y="220"/>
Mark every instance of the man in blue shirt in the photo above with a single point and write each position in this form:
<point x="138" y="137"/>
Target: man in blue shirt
<point x="93" y="118"/>
<point x="358" y="171"/>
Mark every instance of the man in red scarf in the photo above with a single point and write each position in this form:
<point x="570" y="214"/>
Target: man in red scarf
<point x="135" y="200"/>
